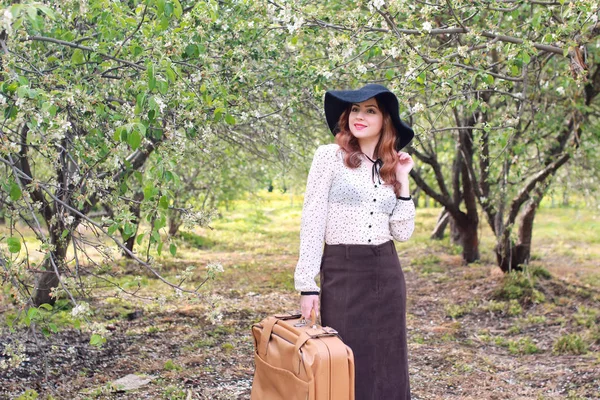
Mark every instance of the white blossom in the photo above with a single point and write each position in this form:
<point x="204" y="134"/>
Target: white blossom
<point x="418" y="107"/>
<point x="462" y="50"/>
<point x="427" y="27"/>
<point x="6" y="21"/>
<point x="560" y="90"/>
<point x="376" y="4"/>
<point x="81" y="309"/>
<point x="214" y="268"/>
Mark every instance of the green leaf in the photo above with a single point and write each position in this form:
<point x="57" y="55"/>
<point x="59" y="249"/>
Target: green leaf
<point x="32" y="313"/>
<point x="151" y="76"/>
<point x="135" y="139"/>
<point x="139" y="238"/>
<point x="15" y="191"/>
<point x="163" y="202"/>
<point x="64" y="233"/>
<point x="160" y="222"/>
<point x="138" y="176"/>
<point x="14" y="244"/>
<point x="525" y="56"/>
<point x="177" y="9"/>
<point x="53" y="327"/>
<point x="163" y="86"/>
<point x="112" y="229"/>
<point x="389" y="74"/>
<point x="139" y="103"/>
<point x="97" y="340"/>
<point x="191" y="50"/>
<point x="149" y="192"/>
<point x="171" y="76"/>
<point x="173" y="249"/>
<point x="169" y="9"/>
<point x="159" y="248"/>
<point x="46" y="306"/>
<point x="78" y="57"/>
<point x="218" y="114"/>
<point x="230" y="119"/>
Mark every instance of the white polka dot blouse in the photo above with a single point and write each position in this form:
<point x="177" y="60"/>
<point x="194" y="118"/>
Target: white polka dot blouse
<point x="344" y="206"/>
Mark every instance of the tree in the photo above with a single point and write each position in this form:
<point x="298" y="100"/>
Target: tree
<point x="94" y="92"/>
<point x="477" y="87"/>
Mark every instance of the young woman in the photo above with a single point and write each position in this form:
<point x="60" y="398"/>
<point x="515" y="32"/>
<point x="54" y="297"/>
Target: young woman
<point x="357" y="200"/>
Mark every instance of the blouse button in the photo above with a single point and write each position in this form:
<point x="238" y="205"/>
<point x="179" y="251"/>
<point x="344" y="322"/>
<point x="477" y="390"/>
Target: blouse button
<point x="369" y="240"/>
<point x="369" y="226"/>
<point x="375" y="185"/>
<point x="374" y="199"/>
<point x="371" y="212"/>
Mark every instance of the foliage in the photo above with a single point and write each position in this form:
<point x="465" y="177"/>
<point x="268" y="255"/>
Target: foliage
<point x="570" y="344"/>
<point x="497" y="110"/>
<point x="177" y="102"/>
<point x="520" y="286"/>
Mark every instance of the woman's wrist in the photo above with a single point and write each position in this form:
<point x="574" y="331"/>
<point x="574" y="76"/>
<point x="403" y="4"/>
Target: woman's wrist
<point x="404" y="188"/>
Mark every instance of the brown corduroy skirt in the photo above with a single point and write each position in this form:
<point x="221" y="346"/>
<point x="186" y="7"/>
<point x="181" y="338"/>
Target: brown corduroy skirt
<point x="363" y="297"/>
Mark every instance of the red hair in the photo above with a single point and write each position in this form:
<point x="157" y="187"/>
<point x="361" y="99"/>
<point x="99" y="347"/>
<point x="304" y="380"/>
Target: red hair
<point x="385" y="148"/>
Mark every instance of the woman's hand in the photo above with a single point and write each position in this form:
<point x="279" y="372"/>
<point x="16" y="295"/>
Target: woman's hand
<point x="309" y="303"/>
<point x="405" y="164"/>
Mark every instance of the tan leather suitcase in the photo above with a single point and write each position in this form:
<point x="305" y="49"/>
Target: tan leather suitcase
<point x="296" y="360"/>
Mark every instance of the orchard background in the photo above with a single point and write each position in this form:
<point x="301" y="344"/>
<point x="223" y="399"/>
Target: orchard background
<point x="154" y="153"/>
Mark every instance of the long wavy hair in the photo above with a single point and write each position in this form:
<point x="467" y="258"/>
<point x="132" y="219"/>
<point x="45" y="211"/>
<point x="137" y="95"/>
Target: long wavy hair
<point x="385" y="148"/>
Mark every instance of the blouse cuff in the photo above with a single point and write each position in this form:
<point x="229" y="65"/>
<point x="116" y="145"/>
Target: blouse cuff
<point x="404" y="198"/>
<point x="309" y="293"/>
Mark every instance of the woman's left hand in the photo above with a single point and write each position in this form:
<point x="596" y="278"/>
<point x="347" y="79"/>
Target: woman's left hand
<point x="405" y="164"/>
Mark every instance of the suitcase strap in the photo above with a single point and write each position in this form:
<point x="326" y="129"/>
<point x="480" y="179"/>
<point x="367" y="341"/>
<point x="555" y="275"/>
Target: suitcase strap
<point x="267" y="326"/>
<point x="305" y="337"/>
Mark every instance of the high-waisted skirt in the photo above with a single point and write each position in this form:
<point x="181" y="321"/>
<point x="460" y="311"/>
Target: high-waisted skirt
<point x="363" y="297"/>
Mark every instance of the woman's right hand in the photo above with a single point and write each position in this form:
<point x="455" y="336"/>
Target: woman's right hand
<point x="309" y="303"/>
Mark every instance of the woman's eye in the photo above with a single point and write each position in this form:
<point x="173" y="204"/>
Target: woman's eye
<point x="354" y="109"/>
<point x="371" y="111"/>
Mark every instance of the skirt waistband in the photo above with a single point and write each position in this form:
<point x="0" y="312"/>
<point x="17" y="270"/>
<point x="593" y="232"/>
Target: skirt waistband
<point x="354" y="250"/>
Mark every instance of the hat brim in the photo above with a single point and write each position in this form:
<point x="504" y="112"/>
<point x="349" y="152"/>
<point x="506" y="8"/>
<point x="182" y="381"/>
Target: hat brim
<point x="336" y="102"/>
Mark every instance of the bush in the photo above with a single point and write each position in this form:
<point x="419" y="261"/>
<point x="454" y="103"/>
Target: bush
<point x="515" y="285"/>
<point x="521" y="286"/>
<point x="171" y="366"/>
<point x="522" y="346"/>
<point x="570" y="344"/>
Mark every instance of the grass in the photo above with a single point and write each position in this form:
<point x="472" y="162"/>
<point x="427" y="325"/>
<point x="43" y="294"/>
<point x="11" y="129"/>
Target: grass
<point x="470" y="316"/>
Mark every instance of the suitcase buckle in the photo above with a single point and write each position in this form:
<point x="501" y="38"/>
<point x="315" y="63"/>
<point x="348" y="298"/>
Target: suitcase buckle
<point x="329" y="330"/>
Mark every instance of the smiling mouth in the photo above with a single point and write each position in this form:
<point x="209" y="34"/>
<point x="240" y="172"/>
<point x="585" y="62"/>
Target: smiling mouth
<point x="359" y="126"/>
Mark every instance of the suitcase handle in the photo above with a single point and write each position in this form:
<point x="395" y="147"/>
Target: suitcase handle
<point x="304" y="322"/>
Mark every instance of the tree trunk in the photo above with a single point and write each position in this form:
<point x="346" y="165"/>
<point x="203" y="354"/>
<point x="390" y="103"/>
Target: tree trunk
<point x="468" y="238"/>
<point x="136" y="210"/>
<point x="48" y="279"/>
<point x="511" y="256"/>
<point x="440" y="226"/>
<point x="416" y="195"/>
<point x="174" y="224"/>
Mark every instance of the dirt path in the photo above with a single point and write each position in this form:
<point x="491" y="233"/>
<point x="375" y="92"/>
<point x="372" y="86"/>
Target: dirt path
<point x="464" y="343"/>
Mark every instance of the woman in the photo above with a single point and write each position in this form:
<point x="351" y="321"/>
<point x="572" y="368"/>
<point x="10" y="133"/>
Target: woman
<point x="357" y="200"/>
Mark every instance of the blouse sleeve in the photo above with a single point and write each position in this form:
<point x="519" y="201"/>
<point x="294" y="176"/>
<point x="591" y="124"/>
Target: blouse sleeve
<point x="402" y="220"/>
<point x="314" y="218"/>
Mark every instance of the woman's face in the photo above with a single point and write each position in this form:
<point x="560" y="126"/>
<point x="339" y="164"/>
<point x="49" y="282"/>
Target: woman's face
<point x="365" y="119"/>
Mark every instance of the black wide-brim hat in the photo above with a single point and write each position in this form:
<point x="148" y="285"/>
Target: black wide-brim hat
<point x="337" y="101"/>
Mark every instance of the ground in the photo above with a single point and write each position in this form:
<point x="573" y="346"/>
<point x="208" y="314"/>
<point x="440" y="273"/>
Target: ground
<point x="474" y="333"/>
